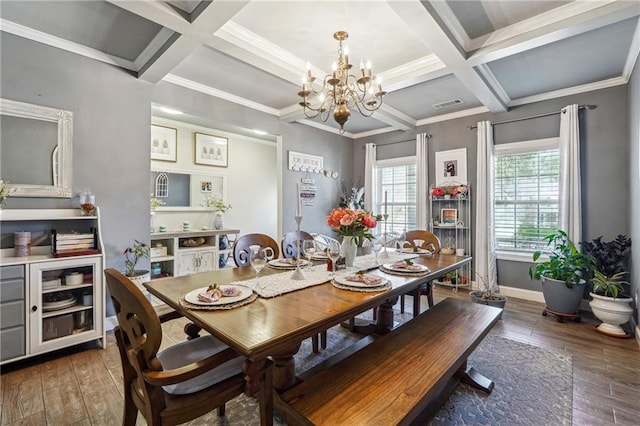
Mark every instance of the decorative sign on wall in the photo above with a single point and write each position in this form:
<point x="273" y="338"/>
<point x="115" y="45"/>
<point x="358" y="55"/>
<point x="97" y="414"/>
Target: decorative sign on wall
<point x="308" y="190"/>
<point x="300" y="162"/>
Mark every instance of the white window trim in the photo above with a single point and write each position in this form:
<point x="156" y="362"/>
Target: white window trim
<point x="399" y="161"/>
<point x="520" y="148"/>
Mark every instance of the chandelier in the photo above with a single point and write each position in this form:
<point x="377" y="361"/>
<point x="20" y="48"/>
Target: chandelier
<point x="340" y="90"/>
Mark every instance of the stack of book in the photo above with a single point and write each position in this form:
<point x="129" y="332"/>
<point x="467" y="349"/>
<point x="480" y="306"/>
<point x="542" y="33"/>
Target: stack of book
<point x="73" y="244"/>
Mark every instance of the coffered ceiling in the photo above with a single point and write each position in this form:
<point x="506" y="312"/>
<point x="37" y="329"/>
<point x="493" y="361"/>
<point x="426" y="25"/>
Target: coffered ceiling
<point x="437" y="59"/>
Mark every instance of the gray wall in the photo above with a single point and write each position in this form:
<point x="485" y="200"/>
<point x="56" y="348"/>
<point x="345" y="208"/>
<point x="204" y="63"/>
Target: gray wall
<point x="605" y="162"/>
<point x="634" y="182"/>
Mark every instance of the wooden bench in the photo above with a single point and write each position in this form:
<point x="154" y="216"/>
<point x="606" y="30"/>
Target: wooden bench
<point x="401" y="377"/>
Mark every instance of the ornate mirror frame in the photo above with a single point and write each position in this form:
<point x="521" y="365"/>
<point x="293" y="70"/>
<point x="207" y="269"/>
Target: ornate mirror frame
<point x="62" y="156"/>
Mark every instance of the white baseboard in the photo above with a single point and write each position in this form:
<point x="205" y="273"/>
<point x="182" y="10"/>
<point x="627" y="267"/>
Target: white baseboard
<point x="520" y="293"/>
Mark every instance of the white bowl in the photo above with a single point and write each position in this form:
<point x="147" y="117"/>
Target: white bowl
<point x="74" y="278"/>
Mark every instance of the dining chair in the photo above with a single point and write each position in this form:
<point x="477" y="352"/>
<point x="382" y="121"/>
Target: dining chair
<point x="241" y="250"/>
<point x="289" y="243"/>
<point x="182" y="382"/>
<point x="431" y="242"/>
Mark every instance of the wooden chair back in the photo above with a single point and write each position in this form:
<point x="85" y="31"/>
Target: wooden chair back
<point x="241" y="251"/>
<point x="290" y="240"/>
<point x="430" y="242"/>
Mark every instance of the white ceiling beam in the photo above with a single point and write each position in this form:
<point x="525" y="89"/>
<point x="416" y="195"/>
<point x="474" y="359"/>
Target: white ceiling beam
<point x="558" y="24"/>
<point x="188" y="35"/>
<point x="427" y="29"/>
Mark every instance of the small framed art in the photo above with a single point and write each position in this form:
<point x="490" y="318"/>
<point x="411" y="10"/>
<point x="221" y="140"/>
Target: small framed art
<point x="448" y="217"/>
<point x="164" y="141"/>
<point x="211" y="150"/>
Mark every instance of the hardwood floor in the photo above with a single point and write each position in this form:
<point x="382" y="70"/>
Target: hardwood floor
<point x="82" y="386"/>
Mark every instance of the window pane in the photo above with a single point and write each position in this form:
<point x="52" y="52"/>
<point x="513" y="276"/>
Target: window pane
<point x="400" y="184"/>
<point x="526" y="199"/>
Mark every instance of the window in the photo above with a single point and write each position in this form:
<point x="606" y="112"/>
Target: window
<point x="526" y="190"/>
<point x="398" y="178"/>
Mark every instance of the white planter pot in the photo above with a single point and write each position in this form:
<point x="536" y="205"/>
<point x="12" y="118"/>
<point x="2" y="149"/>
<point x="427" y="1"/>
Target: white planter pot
<point x="612" y="312"/>
<point x="218" y="220"/>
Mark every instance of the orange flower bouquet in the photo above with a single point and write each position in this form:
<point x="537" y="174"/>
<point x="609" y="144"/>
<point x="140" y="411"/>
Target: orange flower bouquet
<point x="352" y="223"/>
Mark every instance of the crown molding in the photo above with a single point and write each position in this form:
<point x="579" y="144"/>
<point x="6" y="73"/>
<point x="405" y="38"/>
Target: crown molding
<point x="634" y="51"/>
<point x="189" y="84"/>
<point x="324" y="127"/>
<point x="589" y="87"/>
<point x="69" y="46"/>
<point x="452" y="115"/>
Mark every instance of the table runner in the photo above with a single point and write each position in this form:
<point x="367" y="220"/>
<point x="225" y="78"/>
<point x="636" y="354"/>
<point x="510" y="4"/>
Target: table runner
<point x="276" y="284"/>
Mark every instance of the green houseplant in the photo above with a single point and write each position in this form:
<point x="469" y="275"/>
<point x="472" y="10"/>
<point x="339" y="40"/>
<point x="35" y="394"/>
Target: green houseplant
<point x="563" y="275"/>
<point x="609" y="304"/>
<point x="132" y="255"/>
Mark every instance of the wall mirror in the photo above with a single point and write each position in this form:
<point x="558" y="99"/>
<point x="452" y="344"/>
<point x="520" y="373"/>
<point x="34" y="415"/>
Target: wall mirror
<point x="182" y="188"/>
<point x="36" y="148"/>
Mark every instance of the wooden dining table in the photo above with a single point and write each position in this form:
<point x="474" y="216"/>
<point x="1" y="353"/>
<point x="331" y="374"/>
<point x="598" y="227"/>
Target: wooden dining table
<point x="275" y="327"/>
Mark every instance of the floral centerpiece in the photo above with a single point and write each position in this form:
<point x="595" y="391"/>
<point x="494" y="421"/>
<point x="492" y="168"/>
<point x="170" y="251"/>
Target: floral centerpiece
<point x="216" y="203"/>
<point x="352" y="223"/>
<point x="133" y="255"/>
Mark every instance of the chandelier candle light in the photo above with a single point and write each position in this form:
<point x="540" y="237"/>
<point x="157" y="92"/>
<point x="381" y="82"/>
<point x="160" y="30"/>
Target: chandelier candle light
<point x="341" y="90"/>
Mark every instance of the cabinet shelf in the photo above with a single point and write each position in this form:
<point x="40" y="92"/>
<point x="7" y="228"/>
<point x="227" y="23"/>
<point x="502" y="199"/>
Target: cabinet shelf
<point x="162" y="258"/>
<point x="67" y="288"/>
<point x="69" y="310"/>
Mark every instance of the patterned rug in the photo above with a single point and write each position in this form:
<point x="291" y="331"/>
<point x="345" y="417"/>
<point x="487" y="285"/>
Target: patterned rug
<point x="533" y="386"/>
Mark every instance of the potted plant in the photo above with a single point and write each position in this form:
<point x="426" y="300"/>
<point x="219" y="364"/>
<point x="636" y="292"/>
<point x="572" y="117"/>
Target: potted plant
<point x="132" y="256"/>
<point x="563" y="275"/>
<point x="607" y="306"/>
<point x="611" y="260"/>
<point x="488" y="295"/>
<point x="219" y="208"/>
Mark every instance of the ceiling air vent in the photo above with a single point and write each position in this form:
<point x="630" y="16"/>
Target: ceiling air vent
<point x="447" y="104"/>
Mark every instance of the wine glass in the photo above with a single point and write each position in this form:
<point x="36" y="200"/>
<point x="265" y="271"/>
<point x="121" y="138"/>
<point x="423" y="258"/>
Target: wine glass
<point x="334" y="253"/>
<point x="309" y="249"/>
<point x="376" y="246"/>
<point x="258" y="260"/>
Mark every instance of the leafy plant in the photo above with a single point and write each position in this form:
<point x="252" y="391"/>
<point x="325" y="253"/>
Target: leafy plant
<point x="609" y="257"/>
<point x="608" y="286"/>
<point x="155" y="202"/>
<point x="216" y="203"/>
<point x="565" y="262"/>
<point x="132" y="255"/>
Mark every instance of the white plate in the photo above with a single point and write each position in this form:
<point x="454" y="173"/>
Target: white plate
<point x="342" y="280"/>
<point x="280" y="263"/>
<point x="409" y="250"/>
<point x="62" y="304"/>
<point x="422" y="269"/>
<point x="319" y="256"/>
<point x="192" y="296"/>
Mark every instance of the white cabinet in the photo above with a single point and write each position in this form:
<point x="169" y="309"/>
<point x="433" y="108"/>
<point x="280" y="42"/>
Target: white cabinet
<point x="67" y="313"/>
<point x="189" y="252"/>
<point x="451" y="222"/>
<point x="196" y="260"/>
<point x="49" y="301"/>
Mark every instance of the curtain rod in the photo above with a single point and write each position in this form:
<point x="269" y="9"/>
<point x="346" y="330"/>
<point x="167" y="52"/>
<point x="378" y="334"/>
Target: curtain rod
<point x="533" y="116"/>
<point x="393" y="143"/>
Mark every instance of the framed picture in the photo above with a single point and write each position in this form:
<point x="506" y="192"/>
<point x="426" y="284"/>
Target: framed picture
<point x="449" y="217"/>
<point x="206" y="186"/>
<point x="451" y="167"/>
<point x="164" y="142"/>
<point x="211" y="150"/>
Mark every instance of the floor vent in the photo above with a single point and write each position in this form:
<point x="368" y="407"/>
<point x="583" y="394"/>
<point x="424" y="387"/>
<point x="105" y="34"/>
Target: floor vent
<point x="447" y="104"/>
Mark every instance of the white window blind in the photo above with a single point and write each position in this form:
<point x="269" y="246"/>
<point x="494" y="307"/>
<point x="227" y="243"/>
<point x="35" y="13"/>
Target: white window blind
<point x="398" y="178"/>
<point x="526" y="189"/>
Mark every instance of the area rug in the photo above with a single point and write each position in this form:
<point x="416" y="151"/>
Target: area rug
<point x="533" y="386"/>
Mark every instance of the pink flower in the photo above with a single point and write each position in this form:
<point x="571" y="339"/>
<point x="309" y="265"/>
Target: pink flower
<point x="347" y="219"/>
<point x="369" y="221"/>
